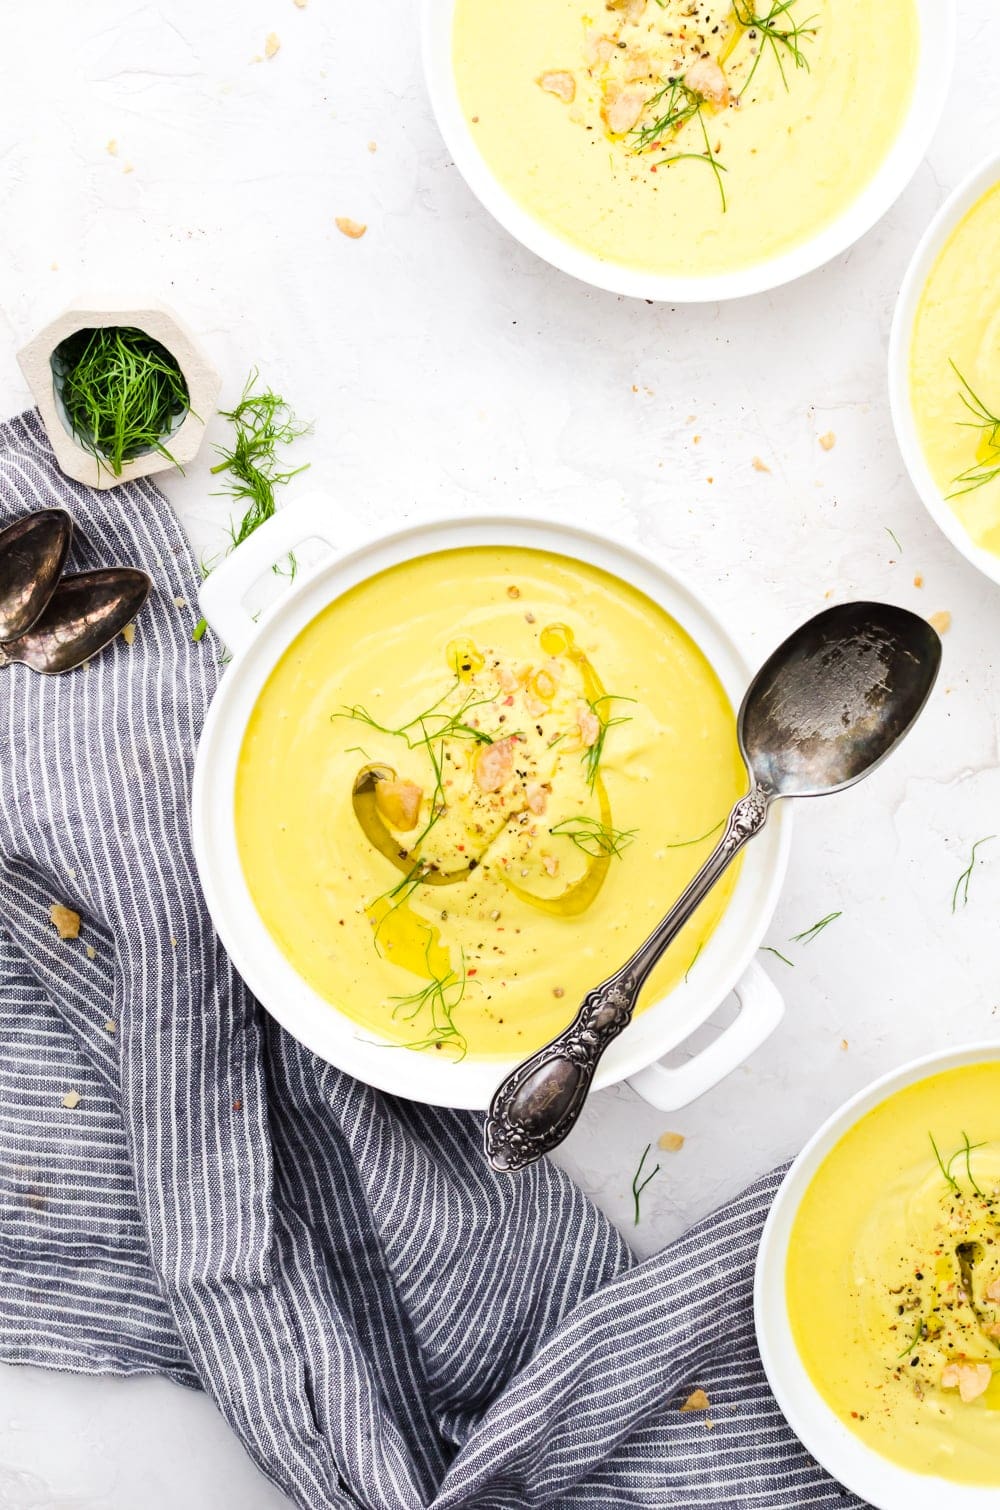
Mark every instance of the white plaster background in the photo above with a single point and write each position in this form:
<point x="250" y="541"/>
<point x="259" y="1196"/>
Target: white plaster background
<point x="446" y="368"/>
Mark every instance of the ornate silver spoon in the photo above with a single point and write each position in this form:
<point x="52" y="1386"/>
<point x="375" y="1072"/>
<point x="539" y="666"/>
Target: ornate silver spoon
<point x="83" y="616"/>
<point x="32" y="556"/>
<point x="827" y="707"/>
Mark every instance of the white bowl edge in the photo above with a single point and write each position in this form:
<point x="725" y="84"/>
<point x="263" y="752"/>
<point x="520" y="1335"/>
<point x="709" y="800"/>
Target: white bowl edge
<point x="938" y="29"/>
<point x="315" y="1021"/>
<point x="883" y="1484"/>
<point x="952" y="212"/>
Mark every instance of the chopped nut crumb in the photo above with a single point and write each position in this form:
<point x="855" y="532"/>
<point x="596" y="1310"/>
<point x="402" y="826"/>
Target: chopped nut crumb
<point x="760" y="465"/>
<point x="696" y="1401"/>
<point x="373" y="146"/>
<point x="128" y="168"/>
<point x="301" y="4"/>
<point x="72" y="1100"/>
<point x="844" y="1044"/>
<point x="91" y="952"/>
<point x="354" y="229"/>
<point x="65" y="921"/>
<point x="671" y="1141"/>
<point x="272" y="44"/>
<point x="558" y="991"/>
<point x="918" y="580"/>
<point x="110" y="1025"/>
<point x="560" y="83"/>
<point x="180" y="602"/>
<point x="128" y="634"/>
<point x="940" y="621"/>
<point x="112" y="148"/>
<point x="828" y="441"/>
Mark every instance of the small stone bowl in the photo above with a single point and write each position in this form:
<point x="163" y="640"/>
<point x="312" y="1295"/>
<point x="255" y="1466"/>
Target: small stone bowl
<point x="162" y="325"/>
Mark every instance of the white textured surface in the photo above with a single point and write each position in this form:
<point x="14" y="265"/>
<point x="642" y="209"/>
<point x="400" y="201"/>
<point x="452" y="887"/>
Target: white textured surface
<point x="446" y="369"/>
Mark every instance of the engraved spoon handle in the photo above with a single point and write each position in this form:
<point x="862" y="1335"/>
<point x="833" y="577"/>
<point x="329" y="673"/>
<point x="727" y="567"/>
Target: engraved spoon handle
<point x="539" y="1102"/>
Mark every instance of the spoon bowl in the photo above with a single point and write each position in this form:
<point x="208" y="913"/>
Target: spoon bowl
<point x="83" y="615"/>
<point x="833" y="701"/>
<point x="825" y="709"/>
<point x="32" y="555"/>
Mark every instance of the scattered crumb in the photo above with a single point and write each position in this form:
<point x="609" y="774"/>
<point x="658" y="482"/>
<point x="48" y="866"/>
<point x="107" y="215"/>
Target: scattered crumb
<point x="941" y="621"/>
<point x="128" y="168"/>
<point x="180" y="602"/>
<point x="65" y="921"/>
<point x="91" y="952"/>
<point x="128" y="634"/>
<point x="112" y="148"/>
<point x="529" y="618"/>
<point x="918" y="580"/>
<point x="558" y="991"/>
<point x="671" y="1141"/>
<point x="272" y="44"/>
<point x="696" y="1401"/>
<point x="696" y="440"/>
<point x="53" y="267"/>
<point x="828" y="441"/>
<point x="760" y="465"/>
<point x="301" y="4"/>
<point x="355" y="229"/>
<point x="373" y="146"/>
<point x="72" y="1100"/>
<point x="843" y="1044"/>
<point x="110" y="1025"/>
<point x="173" y="943"/>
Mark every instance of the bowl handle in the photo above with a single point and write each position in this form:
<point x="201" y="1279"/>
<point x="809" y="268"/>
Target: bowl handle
<point x="226" y="586"/>
<point x="761" y="1010"/>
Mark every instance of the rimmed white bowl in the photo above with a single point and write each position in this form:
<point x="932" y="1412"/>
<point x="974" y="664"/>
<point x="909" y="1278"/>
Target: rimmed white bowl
<point x="874" y="1478"/>
<point x="726" y="964"/>
<point x="952" y="212"/>
<point x="937" y="50"/>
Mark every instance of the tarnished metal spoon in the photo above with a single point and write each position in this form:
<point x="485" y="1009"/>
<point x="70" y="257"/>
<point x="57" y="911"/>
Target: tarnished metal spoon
<point x="83" y="616"/>
<point x="828" y="707"/>
<point x="32" y="556"/>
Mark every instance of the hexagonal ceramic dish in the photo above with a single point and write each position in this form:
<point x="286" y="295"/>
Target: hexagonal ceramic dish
<point x="164" y="326"/>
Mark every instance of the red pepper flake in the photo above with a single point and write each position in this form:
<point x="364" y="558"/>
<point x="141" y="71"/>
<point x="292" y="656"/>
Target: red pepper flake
<point x="237" y="1105"/>
<point x="508" y="702"/>
<point x="473" y="971"/>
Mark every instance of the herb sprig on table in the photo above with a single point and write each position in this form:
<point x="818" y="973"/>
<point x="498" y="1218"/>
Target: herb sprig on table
<point x="123" y="393"/>
<point x="251" y="469"/>
<point x="988" y="425"/>
<point x="639" y="1184"/>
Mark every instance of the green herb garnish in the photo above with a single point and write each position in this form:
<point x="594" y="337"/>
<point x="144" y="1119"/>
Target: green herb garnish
<point x="262" y="421"/>
<point x="440" y="998"/>
<point x="966" y="1151"/>
<point x="122" y="392"/>
<point x="592" y="755"/>
<point x="638" y="1188"/>
<point x="690" y="967"/>
<point x="684" y="843"/>
<point x="962" y="884"/>
<point x="443" y="725"/>
<point x="917" y="1337"/>
<point x="808" y="934"/>
<point x="893" y="537"/>
<point x="770" y="949"/>
<point x="988" y="424"/>
<point x="674" y="104"/>
<point x="594" y="837"/>
<point x="785" y="41"/>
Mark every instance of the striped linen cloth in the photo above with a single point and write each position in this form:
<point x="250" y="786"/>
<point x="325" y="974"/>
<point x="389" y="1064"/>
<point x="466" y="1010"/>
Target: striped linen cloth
<point x="383" y="1322"/>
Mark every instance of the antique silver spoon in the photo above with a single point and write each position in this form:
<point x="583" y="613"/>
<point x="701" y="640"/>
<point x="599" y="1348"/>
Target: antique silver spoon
<point x="32" y="556"/>
<point x="827" y="707"/>
<point x="83" y="616"/>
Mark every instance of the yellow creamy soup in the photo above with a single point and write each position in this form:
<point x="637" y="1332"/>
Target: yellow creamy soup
<point x="955" y="371"/>
<point x="468" y="790"/>
<point x="893" y="1277"/>
<point x="679" y="137"/>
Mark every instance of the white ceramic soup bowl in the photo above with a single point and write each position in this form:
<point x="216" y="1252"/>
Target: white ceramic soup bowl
<point x="937" y="50"/>
<point x="933" y="242"/>
<point x="725" y="965"/>
<point x="879" y="1482"/>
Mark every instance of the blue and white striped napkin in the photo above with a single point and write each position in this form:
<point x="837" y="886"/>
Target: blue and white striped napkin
<point x="383" y="1322"/>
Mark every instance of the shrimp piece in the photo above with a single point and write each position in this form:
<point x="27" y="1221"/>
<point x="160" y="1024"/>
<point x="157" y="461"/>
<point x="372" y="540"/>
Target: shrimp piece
<point x="706" y="78"/>
<point x="622" y="108"/>
<point x="589" y="725"/>
<point x="970" y="1379"/>
<point x="538" y="797"/>
<point x="560" y="83"/>
<point x="495" y="765"/>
